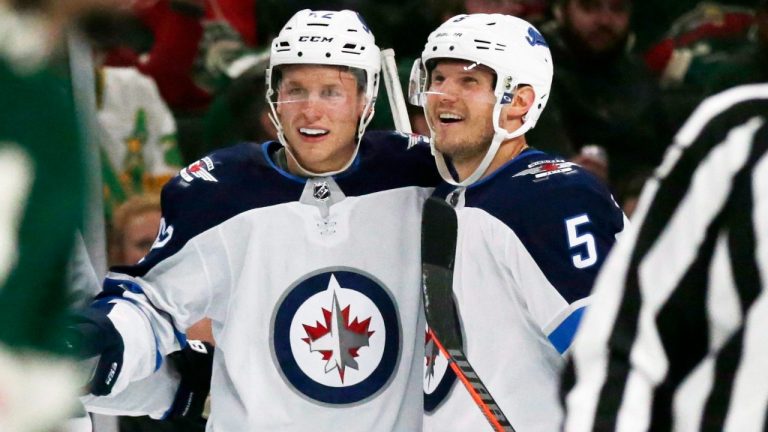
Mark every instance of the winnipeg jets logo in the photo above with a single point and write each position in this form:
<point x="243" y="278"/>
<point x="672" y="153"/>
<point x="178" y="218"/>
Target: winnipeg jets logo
<point x="336" y="336"/>
<point x="321" y="191"/>
<point x="542" y="169"/>
<point x="200" y="169"/>
<point x="439" y="378"/>
<point x="431" y="355"/>
<point x="337" y="339"/>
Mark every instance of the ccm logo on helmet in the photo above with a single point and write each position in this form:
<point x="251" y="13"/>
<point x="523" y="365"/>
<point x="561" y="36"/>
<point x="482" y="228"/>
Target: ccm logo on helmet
<point x="315" y="39"/>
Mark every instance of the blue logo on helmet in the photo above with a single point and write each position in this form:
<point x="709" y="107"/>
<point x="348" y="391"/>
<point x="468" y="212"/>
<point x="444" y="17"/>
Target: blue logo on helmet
<point x="535" y="38"/>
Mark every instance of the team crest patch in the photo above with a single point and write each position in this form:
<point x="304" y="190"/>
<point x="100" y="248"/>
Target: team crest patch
<point x="414" y="139"/>
<point x="200" y="169"/>
<point x="336" y="336"/>
<point x="542" y="169"/>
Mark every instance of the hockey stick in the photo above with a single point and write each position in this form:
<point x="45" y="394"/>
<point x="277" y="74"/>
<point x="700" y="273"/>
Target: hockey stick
<point x="439" y="229"/>
<point x="395" y="91"/>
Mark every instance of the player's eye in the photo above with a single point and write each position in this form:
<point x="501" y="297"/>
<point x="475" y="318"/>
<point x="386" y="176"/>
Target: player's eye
<point x="437" y="79"/>
<point x="294" y="91"/>
<point x="331" y="92"/>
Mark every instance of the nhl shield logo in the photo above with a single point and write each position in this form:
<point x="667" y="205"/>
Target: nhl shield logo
<point x="321" y="191"/>
<point x="336" y="336"/>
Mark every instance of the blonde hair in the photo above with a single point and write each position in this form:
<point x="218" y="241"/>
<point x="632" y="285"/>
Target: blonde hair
<point x="135" y="206"/>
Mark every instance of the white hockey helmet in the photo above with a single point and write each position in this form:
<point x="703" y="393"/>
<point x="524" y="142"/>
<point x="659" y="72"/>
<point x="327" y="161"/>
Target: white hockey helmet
<point x="513" y="48"/>
<point x="335" y="38"/>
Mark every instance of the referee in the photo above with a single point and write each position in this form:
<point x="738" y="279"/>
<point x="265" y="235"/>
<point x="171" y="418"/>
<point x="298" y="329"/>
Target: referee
<point x="677" y="335"/>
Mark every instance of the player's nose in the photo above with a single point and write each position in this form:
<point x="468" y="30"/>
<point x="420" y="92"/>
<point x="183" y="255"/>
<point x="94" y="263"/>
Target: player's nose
<point x="312" y="110"/>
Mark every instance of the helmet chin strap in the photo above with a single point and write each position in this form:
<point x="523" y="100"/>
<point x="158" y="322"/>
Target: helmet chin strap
<point x="499" y="137"/>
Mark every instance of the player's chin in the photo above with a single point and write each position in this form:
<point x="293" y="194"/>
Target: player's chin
<point x="320" y="158"/>
<point x="446" y="144"/>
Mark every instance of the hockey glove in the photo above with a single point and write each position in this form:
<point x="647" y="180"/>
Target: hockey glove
<point x="92" y="335"/>
<point x="195" y="365"/>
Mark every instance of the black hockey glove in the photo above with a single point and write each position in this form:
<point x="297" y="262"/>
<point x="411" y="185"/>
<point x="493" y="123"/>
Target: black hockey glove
<point x="195" y="365"/>
<point x="92" y="335"/>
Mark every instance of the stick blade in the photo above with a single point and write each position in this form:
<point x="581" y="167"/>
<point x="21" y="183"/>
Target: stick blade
<point x="439" y="229"/>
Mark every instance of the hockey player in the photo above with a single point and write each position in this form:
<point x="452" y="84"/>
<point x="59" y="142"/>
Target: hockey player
<point x="533" y="229"/>
<point x="303" y="252"/>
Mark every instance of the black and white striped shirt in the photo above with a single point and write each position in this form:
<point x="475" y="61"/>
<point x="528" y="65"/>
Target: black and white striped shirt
<point x="677" y="334"/>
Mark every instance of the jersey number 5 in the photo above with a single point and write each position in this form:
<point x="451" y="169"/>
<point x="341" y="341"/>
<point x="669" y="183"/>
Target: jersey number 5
<point x="575" y="239"/>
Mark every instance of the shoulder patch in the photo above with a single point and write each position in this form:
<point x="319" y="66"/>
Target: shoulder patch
<point x="200" y="169"/>
<point x="545" y="168"/>
<point x="414" y="139"/>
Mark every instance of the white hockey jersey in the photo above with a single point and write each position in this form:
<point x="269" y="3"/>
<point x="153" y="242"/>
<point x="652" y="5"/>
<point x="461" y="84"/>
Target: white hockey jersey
<point x="531" y="239"/>
<point x="313" y="286"/>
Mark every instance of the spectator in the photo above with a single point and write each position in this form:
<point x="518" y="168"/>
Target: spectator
<point x="137" y="135"/>
<point x="177" y="28"/>
<point x="655" y="17"/>
<point x="603" y="94"/>
<point x="750" y="63"/>
<point x="699" y="44"/>
<point x="134" y="228"/>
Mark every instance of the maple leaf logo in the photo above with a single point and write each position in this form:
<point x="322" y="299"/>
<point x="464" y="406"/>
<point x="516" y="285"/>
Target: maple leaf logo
<point x="550" y="167"/>
<point x="338" y="339"/>
<point x="431" y="352"/>
<point x="546" y="169"/>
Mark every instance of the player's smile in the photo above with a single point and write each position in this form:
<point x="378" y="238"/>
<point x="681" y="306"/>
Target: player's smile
<point x="313" y="133"/>
<point x="449" y="118"/>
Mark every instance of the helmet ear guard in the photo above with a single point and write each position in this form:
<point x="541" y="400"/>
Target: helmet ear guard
<point x="512" y="48"/>
<point x="326" y="38"/>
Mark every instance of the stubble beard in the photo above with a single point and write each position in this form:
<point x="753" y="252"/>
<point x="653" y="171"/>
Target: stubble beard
<point x="465" y="149"/>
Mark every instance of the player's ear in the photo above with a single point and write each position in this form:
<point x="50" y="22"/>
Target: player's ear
<point x="520" y="105"/>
